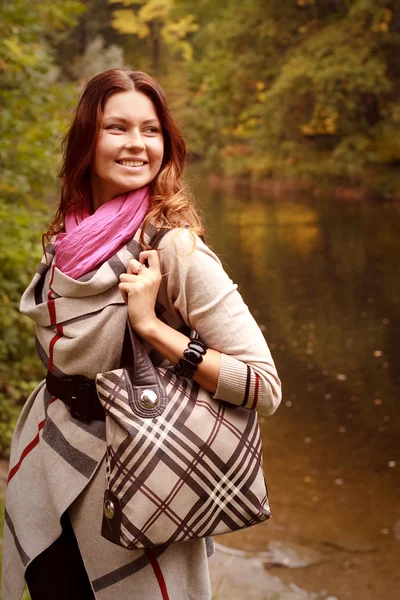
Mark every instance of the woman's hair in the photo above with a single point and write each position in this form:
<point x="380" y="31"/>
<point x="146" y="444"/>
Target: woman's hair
<point x="170" y="201"/>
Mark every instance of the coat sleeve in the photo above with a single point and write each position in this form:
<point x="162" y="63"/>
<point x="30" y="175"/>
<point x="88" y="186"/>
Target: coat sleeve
<point x="209" y="302"/>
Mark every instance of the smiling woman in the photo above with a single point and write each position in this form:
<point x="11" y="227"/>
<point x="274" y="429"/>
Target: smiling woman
<point x="100" y="277"/>
<point x="130" y="147"/>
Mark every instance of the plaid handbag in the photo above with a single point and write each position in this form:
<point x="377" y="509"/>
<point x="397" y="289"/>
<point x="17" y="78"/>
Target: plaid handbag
<point x="180" y="465"/>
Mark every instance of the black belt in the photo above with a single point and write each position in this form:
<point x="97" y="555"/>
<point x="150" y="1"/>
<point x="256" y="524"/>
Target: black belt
<point x="79" y="395"/>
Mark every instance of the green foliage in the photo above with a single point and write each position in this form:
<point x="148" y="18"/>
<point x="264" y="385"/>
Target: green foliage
<point x="299" y="88"/>
<point x="34" y="107"/>
<point x="19" y="257"/>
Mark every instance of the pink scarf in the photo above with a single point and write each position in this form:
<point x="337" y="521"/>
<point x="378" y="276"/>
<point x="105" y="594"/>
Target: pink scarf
<point x="90" y="240"/>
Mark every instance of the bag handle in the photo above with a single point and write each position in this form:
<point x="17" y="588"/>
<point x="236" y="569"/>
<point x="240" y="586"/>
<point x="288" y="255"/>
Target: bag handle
<point x="131" y="343"/>
<point x="145" y="378"/>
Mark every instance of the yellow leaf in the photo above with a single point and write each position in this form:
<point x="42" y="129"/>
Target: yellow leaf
<point x="155" y="10"/>
<point x="126" y="21"/>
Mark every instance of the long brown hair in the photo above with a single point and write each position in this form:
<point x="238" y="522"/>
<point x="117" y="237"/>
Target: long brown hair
<point x="170" y="201"/>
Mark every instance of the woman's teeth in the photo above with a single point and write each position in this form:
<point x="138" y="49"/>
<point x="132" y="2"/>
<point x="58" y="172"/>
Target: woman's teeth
<point x="131" y="163"/>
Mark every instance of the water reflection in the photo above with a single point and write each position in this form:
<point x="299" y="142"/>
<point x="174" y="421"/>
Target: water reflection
<point x="322" y="280"/>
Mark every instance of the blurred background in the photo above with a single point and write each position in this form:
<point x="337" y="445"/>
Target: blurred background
<point x="291" y="113"/>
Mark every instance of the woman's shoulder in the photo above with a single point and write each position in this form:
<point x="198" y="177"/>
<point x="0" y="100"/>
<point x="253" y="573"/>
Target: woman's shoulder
<point x="182" y="242"/>
<point x="182" y="251"/>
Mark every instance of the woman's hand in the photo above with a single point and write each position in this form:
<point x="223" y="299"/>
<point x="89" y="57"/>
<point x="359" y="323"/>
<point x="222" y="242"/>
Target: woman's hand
<point x="139" y="288"/>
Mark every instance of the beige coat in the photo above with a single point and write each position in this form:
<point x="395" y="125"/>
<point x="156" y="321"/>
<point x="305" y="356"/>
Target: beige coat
<point x="57" y="462"/>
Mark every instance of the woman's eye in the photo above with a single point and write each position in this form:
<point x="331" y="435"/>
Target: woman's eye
<point x="116" y="127"/>
<point x="153" y="130"/>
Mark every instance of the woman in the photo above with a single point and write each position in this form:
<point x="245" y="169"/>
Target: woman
<point x="121" y="180"/>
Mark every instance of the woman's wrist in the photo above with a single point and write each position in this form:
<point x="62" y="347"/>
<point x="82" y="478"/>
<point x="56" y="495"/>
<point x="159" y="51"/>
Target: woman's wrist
<point x="148" y="329"/>
<point x="172" y="343"/>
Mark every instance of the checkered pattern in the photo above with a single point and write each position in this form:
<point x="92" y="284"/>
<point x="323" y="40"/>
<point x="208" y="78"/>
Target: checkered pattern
<point x="192" y="469"/>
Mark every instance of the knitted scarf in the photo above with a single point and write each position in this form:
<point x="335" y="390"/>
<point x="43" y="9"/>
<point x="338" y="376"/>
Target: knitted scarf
<point x="90" y="239"/>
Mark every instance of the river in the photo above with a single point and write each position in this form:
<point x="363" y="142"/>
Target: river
<point x="321" y="278"/>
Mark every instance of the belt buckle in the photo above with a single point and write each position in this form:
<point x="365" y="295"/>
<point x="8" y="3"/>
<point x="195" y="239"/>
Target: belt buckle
<point x="81" y="401"/>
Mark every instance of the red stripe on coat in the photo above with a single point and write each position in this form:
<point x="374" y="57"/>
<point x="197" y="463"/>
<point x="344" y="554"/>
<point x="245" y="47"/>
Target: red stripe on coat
<point x="255" y="399"/>
<point x="52" y="310"/>
<point x="157" y="572"/>
<point x="27" y="450"/>
<point x="51" y="351"/>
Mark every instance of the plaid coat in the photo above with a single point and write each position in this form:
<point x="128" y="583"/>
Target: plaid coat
<point x="57" y="462"/>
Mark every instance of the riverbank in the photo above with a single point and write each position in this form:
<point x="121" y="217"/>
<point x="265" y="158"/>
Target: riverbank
<point x="290" y="567"/>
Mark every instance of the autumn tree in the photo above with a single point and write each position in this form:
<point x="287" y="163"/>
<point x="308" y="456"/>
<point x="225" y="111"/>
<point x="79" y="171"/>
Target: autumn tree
<point x="156" y="22"/>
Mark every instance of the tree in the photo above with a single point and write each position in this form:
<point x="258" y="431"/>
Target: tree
<point x="153" y="20"/>
<point x="300" y="88"/>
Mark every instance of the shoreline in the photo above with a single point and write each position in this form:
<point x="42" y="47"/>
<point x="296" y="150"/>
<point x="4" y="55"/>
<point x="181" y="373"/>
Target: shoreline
<point x="277" y="187"/>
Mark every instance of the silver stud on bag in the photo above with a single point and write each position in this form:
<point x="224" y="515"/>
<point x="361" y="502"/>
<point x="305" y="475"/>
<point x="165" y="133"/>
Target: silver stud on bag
<point x="109" y="509"/>
<point x="148" y="399"/>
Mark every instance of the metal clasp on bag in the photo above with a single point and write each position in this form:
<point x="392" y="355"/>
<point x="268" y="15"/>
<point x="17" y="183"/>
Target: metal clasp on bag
<point x="81" y="401"/>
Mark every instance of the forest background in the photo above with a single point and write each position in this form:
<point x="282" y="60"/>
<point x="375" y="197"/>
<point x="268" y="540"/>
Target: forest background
<point x="301" y="92"/>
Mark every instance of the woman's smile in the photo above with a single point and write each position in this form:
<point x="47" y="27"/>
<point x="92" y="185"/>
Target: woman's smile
<point x="131" y="163"/>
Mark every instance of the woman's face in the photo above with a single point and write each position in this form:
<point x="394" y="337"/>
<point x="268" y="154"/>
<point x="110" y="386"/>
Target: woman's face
<point x="130" y="147"/>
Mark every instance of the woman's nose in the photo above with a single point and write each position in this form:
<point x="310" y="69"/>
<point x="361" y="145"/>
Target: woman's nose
<point x="135" y="140"/>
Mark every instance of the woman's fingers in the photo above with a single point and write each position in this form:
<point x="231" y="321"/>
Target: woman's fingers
<point x="128" y="278"/>
<point x="152" y="258"/>
<point x="135" y="267"/>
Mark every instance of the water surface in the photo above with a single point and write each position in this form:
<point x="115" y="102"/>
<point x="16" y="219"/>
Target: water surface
<point x="321" y="277"/>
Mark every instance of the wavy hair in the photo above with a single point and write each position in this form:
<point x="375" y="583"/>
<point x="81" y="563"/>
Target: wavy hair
<point x="171" y="204"/>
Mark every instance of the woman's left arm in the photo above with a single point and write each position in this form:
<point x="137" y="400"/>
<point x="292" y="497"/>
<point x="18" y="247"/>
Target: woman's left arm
<point x="238" y="366"/>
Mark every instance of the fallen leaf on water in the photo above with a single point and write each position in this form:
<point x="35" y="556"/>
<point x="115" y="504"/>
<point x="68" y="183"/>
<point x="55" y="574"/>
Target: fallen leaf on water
<point x="341" y="377"/>
<point x="377" y="401"/>
<point x="392" y="464"/>
<point x="378" y="353"/>
<point x="342" y="429"/>
<point x="339" y="481"/>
